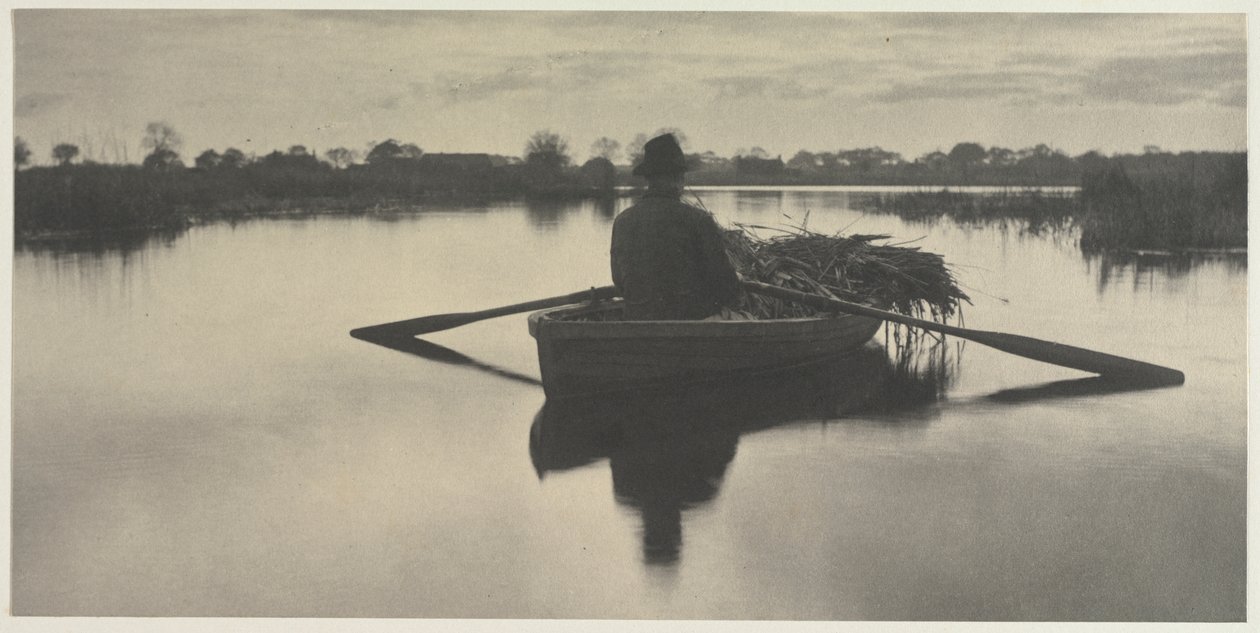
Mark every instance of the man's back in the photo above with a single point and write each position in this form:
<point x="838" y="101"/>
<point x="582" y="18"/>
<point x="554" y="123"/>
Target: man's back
<point x="669" y="261"/>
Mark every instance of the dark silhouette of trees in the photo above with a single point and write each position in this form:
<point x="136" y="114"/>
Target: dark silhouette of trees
<point x="290" y="160"/>
<point x="162" y="160"/>
<point x="804" y="161"/>
<point x="867" y="158"/>
<point x="599" y="173"/>
<point x="21" y="152"/>
<point x="999" y="157"/>
<point x="606" y="148"/>
<point x="548" y="149"/>
<point x="385" y="151"/>
<point x="339" y="157"/>
<point x="935" y="160"/>
<point x="208" y="159"/>
<point x="233" y="158"/>
<point x="967" y="153"/>
<point x="965" y="156"/>
<point x="161" y="136"/>
<point x="756" y="152"/>
<point x="65" y="153"/>
<point x="164" y="142"/>
<point x="546" y="157"/>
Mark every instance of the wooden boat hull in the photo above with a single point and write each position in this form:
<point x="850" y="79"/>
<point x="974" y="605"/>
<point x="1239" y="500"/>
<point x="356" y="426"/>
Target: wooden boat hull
<point x="584" y="357"/>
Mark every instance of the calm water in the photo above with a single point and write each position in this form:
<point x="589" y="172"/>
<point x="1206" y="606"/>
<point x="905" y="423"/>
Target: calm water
<point x="196" y="434"/>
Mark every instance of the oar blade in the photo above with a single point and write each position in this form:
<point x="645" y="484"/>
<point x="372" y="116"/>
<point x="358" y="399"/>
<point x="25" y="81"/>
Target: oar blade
<point x="1103" y="364"/>
<point x="439" y="322"/>
<point x="419" y="325"/>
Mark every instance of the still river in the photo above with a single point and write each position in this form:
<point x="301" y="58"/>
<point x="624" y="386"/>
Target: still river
<point x="196" y="434"/>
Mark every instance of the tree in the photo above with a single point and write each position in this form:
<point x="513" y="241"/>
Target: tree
<point x="965" y="156"/>
<point x="385" y="151"/>
<point x="164" y="141"/>
<point x="161" y="136"/>
<point x="65" y="153"/>
<point x="606" y="148"/>
<point x="547" y="148"/>
<point x="208" y="159"/>
<point x="867" y="158"/>
<point x="803" y="161"/>
<point x="599" y="173"/>
<point x="232" y="158"/>
<point x="411" y="150"/>
<point x="1092" y="161"/>
<point x="634" y="149"/>
<point x="1000" y="157"/>
<point x="340" y="157"/>
<point x="163" y="160"/>
<point x="21" y="153"/>
<point x="755" y="152"/>
<point x="934" y="160"/>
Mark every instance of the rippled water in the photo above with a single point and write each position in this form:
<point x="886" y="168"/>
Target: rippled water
<point x="196" y="434"/>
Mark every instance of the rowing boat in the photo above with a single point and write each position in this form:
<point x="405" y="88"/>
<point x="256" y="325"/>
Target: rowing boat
<point x="585" y="349"/>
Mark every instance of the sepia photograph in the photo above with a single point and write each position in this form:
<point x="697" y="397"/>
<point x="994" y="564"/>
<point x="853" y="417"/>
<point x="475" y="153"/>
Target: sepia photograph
<point x="482" y="314"/>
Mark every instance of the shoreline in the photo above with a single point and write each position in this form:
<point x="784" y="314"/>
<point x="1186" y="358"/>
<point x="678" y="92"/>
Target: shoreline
<point x="261" y="209"/>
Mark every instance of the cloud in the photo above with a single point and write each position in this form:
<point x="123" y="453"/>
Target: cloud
<point x="745" y="86"/>
<point x="966" y="86"/>
<point x="569" y="70"/>
<point x="38" y="102"/>
<point x="1029" y="78"/>
<point x="1232" y="96"/>
<point x="1167" y="79"/>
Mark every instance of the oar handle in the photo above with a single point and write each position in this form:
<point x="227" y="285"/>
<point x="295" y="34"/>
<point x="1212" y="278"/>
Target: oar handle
<point x="1045" y="351"/>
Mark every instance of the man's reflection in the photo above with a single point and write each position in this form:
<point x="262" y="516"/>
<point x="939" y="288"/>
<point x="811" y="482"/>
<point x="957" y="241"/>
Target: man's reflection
<point x="669" y="452"/>
<point x="663" y="476"/>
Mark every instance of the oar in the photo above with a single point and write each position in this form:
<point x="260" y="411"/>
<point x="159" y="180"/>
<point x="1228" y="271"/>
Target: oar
<point x="1115" y="367"/>
<point x="439" y="322"/>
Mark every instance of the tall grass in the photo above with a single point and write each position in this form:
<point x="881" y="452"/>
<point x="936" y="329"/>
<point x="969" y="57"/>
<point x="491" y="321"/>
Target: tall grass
<point x="1039" y="209"/>
<point x="1166" y="209"/>
<point x="1165" y="202"/>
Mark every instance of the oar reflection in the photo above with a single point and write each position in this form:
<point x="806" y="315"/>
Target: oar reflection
<point x="401" y="341"/>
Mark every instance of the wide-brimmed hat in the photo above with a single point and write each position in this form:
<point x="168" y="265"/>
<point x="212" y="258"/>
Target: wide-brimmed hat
<point x="661" y="156"/>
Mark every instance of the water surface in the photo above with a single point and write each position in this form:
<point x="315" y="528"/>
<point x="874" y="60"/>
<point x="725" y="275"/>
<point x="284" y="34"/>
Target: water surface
<point x="196" y="434"/>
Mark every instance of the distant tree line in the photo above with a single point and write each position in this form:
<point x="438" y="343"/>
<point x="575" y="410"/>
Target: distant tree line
<point x="76" y="193"/>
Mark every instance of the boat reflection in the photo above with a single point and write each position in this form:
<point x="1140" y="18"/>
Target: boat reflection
<point x="668" y="452"/>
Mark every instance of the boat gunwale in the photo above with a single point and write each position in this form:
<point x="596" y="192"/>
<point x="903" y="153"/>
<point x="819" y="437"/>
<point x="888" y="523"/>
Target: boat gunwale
<point x="547" y="323"/>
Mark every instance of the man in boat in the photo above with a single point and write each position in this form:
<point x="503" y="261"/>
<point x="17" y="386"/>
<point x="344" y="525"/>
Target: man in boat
<point x="668" y="257"/>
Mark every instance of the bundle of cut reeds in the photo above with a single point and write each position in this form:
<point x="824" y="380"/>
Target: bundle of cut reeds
<point x="853" y="268"/>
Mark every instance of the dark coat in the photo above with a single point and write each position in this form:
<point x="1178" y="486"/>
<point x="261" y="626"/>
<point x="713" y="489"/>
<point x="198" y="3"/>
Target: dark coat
<point x="669" y="261"/>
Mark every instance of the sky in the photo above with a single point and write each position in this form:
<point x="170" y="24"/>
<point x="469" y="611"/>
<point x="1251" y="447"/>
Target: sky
<point x="484" y="81"/>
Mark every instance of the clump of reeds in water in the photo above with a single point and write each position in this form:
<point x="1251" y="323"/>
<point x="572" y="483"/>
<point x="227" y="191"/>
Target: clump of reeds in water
<point x="854" y="268"/>
<point x="1165" y="209"/>
<point x="1039" y="210"/>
